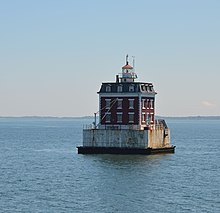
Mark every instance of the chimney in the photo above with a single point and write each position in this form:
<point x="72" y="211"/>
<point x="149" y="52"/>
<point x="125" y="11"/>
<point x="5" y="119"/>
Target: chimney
<point x="117" y="78"/>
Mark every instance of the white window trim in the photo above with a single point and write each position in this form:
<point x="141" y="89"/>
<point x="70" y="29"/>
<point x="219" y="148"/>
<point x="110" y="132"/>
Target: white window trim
<point x="130" y="113"/>
<point x="131" y="101"/>
<point x="106" y="114"/>
<point x="131" y="88"/>
<point x="148" y="120"/>
<point x="119" y="113"/>
<point x="148" y="103"/>
<point x="119" y="88"/>
<point x="151" y="117"/>
<point x="142" y="117"/>
<point x="151" y="103"/>
<point x="120" y="107"/>
<point x="108" y="88"/>
<point x="143" y="105"/>
<point x="107" y="101"/>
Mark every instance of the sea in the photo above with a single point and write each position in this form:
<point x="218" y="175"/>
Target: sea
<point x="40" y="170"/>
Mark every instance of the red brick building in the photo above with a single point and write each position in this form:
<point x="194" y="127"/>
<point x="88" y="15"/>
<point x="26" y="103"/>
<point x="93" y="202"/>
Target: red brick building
<point x="125" y="103"/>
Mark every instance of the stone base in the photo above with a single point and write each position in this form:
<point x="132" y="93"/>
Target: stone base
<point x="117" y="150"/>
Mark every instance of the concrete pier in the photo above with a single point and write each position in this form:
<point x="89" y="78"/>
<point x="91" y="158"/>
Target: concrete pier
<point x="126" y="141"/>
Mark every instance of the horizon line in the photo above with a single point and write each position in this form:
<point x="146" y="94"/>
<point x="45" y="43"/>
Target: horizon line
<point x="91" y="116"/>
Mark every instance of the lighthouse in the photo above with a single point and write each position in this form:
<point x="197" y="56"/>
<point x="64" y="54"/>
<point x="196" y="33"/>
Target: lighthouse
<point x="127" y="104"/>
<point x="127" y="122"/>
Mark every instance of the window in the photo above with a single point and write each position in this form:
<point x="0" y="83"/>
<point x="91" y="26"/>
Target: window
<point x="108" y="88"/>
<point x="148" y="118"/>
<point x="142" y="87"/>
<point x="119" y="117"/>
<point x="151" y="117"/>
<point x="143" y="103"/>
<point x="131" y="88"/>
<point x="151" y="103"/>
<point x="131" y="117"/>
<point x="147" y="88"/>
<point x="148" y="103"/>
<point x="131" y="103"/>
<point x="107" y="103"/>
<point x="120" y="88"/>
<point x="143" y="117"/>
<point x="120" y="103"/>
<point x="108" y="117"/>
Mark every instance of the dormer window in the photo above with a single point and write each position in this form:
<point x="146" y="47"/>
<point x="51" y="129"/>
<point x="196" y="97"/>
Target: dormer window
<point x="108" y="88"/>
<point x="148" y="89"/>
<point x="131" y="88"/>
<point x="119" y="88"/>
<point x="143" y="88"/>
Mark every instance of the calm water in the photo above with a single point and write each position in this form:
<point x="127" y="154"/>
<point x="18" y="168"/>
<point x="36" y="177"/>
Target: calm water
<point x="40" y="170"/>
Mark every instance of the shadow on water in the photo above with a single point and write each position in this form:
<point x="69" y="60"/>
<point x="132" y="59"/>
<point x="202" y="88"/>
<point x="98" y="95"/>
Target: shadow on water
<point x="128" y="160"/>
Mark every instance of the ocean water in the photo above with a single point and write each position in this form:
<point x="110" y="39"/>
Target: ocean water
<point x="40" y="170"/>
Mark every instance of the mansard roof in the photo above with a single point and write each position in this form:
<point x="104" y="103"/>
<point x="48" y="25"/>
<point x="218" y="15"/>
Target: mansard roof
<point x="138" y="87"/>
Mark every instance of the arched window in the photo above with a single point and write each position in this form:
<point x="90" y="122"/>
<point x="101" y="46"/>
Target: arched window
<point x="119" y="88"/>
<point x="131" y="88"/>
<point x="108" y="88"/>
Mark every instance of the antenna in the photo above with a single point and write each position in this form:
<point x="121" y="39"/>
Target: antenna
<point x="133" y="60"/>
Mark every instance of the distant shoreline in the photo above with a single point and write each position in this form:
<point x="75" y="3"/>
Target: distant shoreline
<point x="190" y="117"/>
<point x="45" y="117"/>
<point x="91" y="117"/>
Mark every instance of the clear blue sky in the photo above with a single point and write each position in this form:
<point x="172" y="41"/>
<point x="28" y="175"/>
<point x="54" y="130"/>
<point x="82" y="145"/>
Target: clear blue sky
<point x="54" y="54"/>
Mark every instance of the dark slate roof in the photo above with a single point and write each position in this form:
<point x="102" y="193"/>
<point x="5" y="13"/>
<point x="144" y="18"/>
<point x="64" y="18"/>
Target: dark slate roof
<point x="126" y="87"/>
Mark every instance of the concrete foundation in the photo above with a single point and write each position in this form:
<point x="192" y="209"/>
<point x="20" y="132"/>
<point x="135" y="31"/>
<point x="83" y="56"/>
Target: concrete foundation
<point x="126" y="141"/>
<point x="115" y="138"/>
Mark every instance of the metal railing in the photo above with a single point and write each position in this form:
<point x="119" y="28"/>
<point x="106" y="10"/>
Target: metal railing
<point x="159" y="124"/>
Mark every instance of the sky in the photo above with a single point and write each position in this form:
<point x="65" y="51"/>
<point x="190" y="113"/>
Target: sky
<point x="54" y="54"/>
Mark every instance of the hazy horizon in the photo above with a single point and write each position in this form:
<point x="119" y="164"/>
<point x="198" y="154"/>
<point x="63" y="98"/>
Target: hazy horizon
<point x="56" y="54"/>
<point x="90" y="116"/>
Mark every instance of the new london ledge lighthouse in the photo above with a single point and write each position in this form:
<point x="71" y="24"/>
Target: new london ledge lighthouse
<point x="127" y="122"/>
